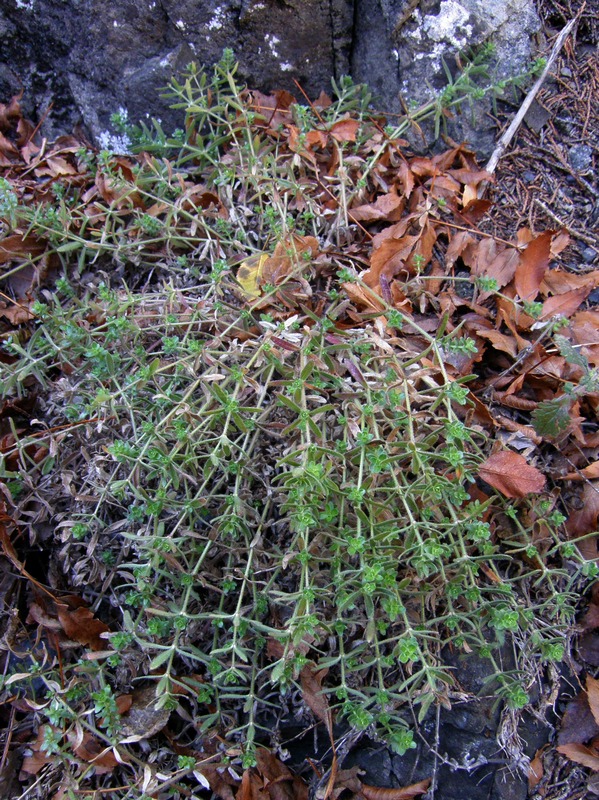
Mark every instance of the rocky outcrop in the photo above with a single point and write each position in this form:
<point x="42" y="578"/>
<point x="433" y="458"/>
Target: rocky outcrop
<point x="79" y="61"/>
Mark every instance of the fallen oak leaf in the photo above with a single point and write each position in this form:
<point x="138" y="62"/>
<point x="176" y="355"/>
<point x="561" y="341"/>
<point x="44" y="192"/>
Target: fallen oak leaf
<point x="511" y="474"/>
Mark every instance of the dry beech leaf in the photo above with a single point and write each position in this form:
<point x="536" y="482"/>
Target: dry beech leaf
<point x="220" y="779"/>
<point x="535" y="771"/>
<point x="92" y="751"/>
<point x="556" y="281"/>
<point x="142" y="720"/>
<point x="585" y="520"/>
<point x="532" y="265"/>
<point x="80" y="625"/>
<point x="588" y="648"/>
<point x="593" y="697"/>
<point x="314" y="697"/>
<point x="511" y="474"/>
<point x="345" y="130"/>
<point x="578" y="724"/>
<point x="581" y="755"/>
<point x="590" y="473"/>
<point x="279" y="782"/>
<point x="39" y="758"/>
<point x="383" y="208"/>
<point x="559" y="242"/>
<point x="404" y="793"/>
<point x="564" y="304"/>
<point x="590" y="620"/>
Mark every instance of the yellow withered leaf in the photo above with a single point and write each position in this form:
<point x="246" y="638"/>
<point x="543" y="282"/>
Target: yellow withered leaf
<point x="249" y="275"/>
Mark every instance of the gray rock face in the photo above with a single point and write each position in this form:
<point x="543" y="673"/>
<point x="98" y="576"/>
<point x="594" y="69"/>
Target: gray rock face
<point x="79" y="61"/>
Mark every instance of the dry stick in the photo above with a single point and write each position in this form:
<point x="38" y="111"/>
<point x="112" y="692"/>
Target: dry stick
<point x="517" y="121"/>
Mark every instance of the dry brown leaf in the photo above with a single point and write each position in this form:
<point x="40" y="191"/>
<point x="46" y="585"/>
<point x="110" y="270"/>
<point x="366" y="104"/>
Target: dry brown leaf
<point x="588" y="648"/>
<point x="406" y="178"/>
<point x="38" y="759"/>
<point x="54" y="167"/>
<point x="316" y="138"/>
<point x="475" y="210"/>
<point x="589" y="473"/>
<point x="361" y="298"/>
<point x="532" y="266"/>
<point x="557" y="281"/>
<point x="314" y="697"/>
<point x="141" y="718"/>
<point x="500" y="341"/>
<point x="578" y="724"/>
<point x="345" y="130"/>
<point x="559" y="242"/>
<point x="16" y="313"/>
<point x="383" y="208"/>
<point x="458" y="244"/>
<point x="581" y="755"/>
<point x="535" y="772"/>
<point x="488" y="263"/>
<point x="404" y="793"/>
<point x="593" y="697"/>
<point x="273" y="108"/>
<point x="389" y="257"/>
<point x="590" y="620"/>
<point x="584" y="520"/>
<point x="564" y="304"/>
<point x="220" y="779"/>
<point x="281" y="264"/>
<point x="80" y="625"/>
<point x="17" y="246"/>
<point x="92" y="751"/>
<point x="279" y="781"/>
<point x="510" y="474"/>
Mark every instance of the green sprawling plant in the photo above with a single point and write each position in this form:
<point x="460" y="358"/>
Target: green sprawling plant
<point x="260" y="487"/>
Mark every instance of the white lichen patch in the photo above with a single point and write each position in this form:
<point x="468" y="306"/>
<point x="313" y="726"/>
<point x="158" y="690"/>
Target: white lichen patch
<point x="26" y="5"/>
<point x="218" y="19"/>
<point x="451" y="24"/>
<point x="180" y="24"/>
<point x="119" y="144"/>
<point x="286" y="67"/>
<point x="272" y="41"/>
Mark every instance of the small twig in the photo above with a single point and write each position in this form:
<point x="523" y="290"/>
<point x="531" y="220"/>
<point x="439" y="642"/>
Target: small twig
<point x="517" y="121"/>
<point x="592" y="240"/>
